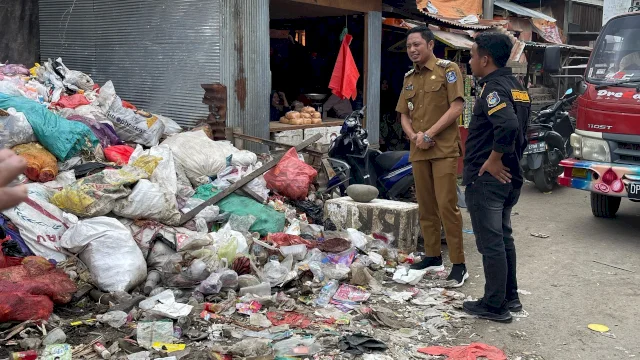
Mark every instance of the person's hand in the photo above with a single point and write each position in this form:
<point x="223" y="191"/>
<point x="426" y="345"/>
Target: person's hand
<point x="426" y="145"/>
<point x="419" y="138"/>
<point x="497" y="170"/>
<point x="11" y="165"/>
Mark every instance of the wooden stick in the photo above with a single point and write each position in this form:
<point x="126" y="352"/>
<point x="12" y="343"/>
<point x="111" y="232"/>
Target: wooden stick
<point x="613" y="266"/>
<point x="245" y="180"/>
<point x="274" y="143"/>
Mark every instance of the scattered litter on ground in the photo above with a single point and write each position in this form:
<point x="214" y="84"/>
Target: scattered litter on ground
<point x="540" y="235"/>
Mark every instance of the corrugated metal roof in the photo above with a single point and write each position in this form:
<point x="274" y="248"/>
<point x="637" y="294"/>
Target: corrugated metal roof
<point x="521" y="10"/>
<point x="453" y="40"/>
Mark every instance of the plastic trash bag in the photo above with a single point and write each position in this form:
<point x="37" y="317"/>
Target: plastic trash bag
<point x="73" y="79"/>
<point x="72" y="101"/>
<point x="62" y="137"/>
<point x="149" y="201"/>
<point x="179" y="272"/>
<point x="129" y="125"/>
<point x="112" y="256"/>
<point x="63" y="179"/>
<point x="41" y="164"/>
<point x="41" y="223"/>
<point x="165" y="173"/>
<point x="275" y="272"/>
<point x="96" y="195"/>
<point x="118" y="154"/>
<point x="229" y="243"/>
<point x="268" y="220"/>
<point x="170" y="127"/>
<point x="231" y="174"/>
<point x="200" y="156"/>
<point x="14" y="129"/>
<point x="291" y="177"/>
<point x="105" y="132"/>
<point x="243" y="158"/>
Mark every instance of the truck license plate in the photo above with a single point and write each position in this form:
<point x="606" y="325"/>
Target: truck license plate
<point x="634" y="190"/>
<point x="535" y="148"/>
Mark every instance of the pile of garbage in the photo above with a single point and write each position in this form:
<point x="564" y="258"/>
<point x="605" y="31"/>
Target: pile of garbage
<point x="103" y="246"/>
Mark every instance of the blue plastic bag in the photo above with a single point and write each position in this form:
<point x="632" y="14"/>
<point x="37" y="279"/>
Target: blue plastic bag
<point x="63" y="138"/>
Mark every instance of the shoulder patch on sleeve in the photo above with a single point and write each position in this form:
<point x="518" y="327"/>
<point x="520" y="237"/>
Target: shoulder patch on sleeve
<point x="492" y="111"/>
<point x="408" y="73"/>
<point x="520" y="95"/>
<point x="493" y="99"/>
<point x="451" y="76"/>
<point x="442" y="62"/>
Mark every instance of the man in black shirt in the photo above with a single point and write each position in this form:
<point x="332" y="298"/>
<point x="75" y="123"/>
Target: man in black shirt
<point x="492" y="172"/>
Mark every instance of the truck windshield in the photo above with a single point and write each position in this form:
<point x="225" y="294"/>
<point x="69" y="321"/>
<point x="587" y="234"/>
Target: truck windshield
<point x="616" y="58"/>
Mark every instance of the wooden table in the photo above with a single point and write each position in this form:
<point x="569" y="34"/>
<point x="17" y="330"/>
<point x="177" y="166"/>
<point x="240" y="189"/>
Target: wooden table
<point x="276" y="126"/>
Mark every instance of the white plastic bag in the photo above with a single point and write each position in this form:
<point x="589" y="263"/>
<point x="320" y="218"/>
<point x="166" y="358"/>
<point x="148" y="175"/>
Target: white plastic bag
<point x="41" y="223"/>
<point x="128" y="124"/>
<point x="15" y="129"/>
<point x="112" y="256"/>
<point x="149" y="201"/>
<point x="404" y="275"/>
<point x="63" y="179"/>
<point x="199" y="156"/>
<point x="231" y="174"/>
<point x="224" y="236"/>
<point x="170" y="127"/>
<point x="165" y="173"/>
<point x="243" y="158"/>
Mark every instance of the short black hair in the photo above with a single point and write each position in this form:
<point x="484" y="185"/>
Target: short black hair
<point x="424" y="31"/>
<point x="496" y="45"/>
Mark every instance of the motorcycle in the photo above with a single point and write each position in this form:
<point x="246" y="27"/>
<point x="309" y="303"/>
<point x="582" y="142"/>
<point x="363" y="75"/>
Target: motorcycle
<point x="548" y="143"/>
<point x="354" y="162"/>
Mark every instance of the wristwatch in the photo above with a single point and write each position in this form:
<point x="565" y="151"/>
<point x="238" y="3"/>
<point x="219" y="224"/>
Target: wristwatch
<point x="427" y="138"/>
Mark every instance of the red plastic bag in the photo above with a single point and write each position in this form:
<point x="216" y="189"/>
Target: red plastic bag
<point x="282" y="239"/>
<point x="129" y="105"/>
<point x="37" y="276"/>
<point x="21" y="306"/>
<point x="293" y="319"/>
<point x="118" y="154"/>
<point x="72" y="101"/>
<point x="291" y="177"/>
<point x="466" y="352"/>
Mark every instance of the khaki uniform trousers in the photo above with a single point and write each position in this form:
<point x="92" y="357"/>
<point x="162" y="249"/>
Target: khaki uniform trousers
<point x="436" y="190"/>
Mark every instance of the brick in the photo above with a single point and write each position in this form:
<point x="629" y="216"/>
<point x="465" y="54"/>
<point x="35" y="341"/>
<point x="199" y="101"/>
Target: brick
<point x="385" y="216"/>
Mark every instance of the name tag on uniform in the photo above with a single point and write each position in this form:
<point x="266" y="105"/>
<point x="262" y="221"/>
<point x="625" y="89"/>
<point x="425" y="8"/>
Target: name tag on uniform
<point x="519" y="95"/>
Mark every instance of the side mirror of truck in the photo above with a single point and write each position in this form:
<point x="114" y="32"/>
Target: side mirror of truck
<point x="552" y="62"/>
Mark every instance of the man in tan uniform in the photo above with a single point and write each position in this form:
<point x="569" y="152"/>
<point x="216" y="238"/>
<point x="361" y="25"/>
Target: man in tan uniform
<point x="430" y="103"/>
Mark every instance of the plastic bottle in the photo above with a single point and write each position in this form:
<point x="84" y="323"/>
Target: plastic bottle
<point x="264" y="289"/>
<point x="153" y="279"/>
<point x="327" y="292"/>
<point x="100" y="349"/>
<point x="316" y="270"/>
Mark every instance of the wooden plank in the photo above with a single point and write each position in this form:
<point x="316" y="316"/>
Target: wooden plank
<point x="245" y="180"/>
<point x="273" y="143"/>
<point x="245" y="191"/>
<point x="278" y="126"/>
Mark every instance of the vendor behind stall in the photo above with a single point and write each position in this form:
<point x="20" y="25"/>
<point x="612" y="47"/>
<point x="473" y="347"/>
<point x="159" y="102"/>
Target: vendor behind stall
<point x="337" y="108"/>
<point x="279" y="105"/>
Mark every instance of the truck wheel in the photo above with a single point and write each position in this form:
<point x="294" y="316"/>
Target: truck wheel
<point x="543" y="180"/>
<point x="604" y="206"/>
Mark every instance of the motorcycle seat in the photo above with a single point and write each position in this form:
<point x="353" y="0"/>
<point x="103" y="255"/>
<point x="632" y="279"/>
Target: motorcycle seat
<point x="389" y="159"/>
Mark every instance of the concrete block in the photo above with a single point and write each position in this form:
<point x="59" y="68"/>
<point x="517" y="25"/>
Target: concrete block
<point x="289" y="137"/>
<point x="384" y="216"/>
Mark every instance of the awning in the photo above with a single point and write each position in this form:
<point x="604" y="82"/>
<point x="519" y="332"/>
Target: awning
<point x="453" y="40"/>
<point x="521" y="10"/>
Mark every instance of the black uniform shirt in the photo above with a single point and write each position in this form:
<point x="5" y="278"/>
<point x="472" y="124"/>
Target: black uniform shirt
<point x="499" y="122"/>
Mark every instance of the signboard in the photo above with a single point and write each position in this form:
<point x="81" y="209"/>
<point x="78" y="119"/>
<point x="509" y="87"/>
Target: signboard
<point x="612" y="8"/>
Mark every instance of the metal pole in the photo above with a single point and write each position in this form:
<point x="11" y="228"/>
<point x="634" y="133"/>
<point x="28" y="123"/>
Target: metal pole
<point x="487" y="9"/>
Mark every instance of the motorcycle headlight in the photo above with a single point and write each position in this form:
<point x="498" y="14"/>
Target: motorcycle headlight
<point x="595" y="150"/>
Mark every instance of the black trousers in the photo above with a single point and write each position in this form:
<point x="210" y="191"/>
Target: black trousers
<point x="490" y="203"/>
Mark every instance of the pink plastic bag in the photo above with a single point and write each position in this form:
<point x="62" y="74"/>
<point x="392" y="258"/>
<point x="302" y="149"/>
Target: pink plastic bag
<point x="466" y="352"/>
<point x="291" y="177"/>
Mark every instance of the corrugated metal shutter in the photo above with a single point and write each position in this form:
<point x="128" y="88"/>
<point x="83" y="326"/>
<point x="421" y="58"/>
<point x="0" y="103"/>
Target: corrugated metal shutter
<point x="246" y="67"/>
<point x="156" y="52"/>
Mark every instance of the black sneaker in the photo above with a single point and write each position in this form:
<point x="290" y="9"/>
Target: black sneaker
<point x="514" y="305"/>
<point x="431" y="264"/>
<point x="458" y="274"/>
<point x="483" y="311"/>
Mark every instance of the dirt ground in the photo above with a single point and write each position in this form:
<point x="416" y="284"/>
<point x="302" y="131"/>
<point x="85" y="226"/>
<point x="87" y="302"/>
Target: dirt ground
<point x="568" y="289"/>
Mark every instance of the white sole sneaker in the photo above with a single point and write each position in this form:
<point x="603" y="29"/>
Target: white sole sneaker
<point x="435" y="269"/>
<point x="464" y="277"/>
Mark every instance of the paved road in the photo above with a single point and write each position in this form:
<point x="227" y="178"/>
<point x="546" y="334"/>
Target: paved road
<point x="568" y="290"/>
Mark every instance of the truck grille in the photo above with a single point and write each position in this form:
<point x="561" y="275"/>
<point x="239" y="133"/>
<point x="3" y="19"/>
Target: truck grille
<point x="627" y="153"/>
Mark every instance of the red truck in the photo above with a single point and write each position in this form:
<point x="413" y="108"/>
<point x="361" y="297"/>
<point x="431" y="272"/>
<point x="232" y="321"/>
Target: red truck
<point x="606" y="142"/>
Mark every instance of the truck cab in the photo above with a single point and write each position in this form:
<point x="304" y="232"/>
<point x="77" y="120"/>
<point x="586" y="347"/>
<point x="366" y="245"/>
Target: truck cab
<point x="606" y="142"/>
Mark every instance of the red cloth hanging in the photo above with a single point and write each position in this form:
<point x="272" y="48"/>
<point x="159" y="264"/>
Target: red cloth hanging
<point x="345" y="73"/>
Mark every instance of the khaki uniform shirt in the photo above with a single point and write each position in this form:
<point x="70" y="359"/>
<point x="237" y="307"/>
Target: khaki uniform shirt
<point x="426" y="95"/>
